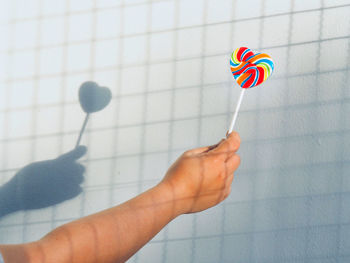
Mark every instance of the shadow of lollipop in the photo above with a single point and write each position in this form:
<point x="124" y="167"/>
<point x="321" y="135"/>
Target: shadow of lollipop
<point x="46" y="183"/>
<point x="92" y="98"/>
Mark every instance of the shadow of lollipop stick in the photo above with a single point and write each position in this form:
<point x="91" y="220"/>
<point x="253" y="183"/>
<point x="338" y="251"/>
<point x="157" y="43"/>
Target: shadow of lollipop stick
<point x="92" y="98"/>
<point x="82" y="130"/>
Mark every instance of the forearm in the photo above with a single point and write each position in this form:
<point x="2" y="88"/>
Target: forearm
<point x="199" y="179"/>
<point x="113" y="235"/>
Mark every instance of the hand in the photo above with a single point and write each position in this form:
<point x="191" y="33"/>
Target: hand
<point x="46" y="183"/>
<point x="202" y="177"/>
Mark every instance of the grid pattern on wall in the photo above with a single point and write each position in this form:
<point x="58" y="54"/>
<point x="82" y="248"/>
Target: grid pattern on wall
<point x="166" y="62"/>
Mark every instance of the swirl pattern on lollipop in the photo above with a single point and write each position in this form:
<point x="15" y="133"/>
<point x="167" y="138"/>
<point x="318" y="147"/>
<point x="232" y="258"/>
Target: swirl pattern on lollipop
<point x="250" y="69"/>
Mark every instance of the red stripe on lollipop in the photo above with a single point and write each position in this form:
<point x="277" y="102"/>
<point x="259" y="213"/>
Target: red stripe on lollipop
<point x="240" y="52"/>
<point x="247" y="55"/>
<point x="261" y="75"/>
<point x="250" y="75"/>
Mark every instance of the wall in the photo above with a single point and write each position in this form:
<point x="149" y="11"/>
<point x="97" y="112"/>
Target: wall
<point x="166" y="62"/>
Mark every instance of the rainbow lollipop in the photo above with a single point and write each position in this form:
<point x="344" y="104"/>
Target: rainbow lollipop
<point x="249" y="70"/>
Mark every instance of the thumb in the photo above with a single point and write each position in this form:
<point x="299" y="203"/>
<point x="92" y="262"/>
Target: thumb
<point x="74" y="154"/>
<point x="231" y="144"/>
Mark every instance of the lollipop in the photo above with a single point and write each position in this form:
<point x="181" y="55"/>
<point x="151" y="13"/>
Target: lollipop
<point x="92" y="98"/>
<point x="249" y="70"/>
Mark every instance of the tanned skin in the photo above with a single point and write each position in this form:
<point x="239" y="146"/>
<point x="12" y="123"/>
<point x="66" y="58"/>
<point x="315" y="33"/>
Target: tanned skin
<point x="201" y="178"/>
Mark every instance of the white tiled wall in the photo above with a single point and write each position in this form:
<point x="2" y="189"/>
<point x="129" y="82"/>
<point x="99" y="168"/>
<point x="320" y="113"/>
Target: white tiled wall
<point x="166" y="62"/>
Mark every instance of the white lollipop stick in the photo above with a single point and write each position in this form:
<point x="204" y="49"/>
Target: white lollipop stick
<point x="236" y="111"/>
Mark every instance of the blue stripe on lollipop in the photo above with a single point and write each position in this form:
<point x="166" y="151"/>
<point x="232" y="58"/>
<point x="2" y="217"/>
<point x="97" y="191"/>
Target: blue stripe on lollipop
<point x="256" y="77"/>
<point x="245" y="52"/>
<point x="267" y="61"/>
<point x="248" y="77"/>
<point x="253" y="56"/>
<point x="243" y="68"/>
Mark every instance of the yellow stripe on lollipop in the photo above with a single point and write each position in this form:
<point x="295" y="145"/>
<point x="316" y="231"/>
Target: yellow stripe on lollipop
<point x="234" y="56"/>
<point x="266" y="71"/>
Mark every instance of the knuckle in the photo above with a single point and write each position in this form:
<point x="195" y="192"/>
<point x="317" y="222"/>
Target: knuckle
<point x="222" y="176"/>
<point x="238" y="158"/>
<point x="232" y="177"/>
<point x="215" y="158"/>
<point x="228" y="191"/>
<point x="235" y="140"/>
<point x="226" y="195"/>
<point x="186" y="153"/>
<point x="236" y="144"/>
<point x="235" y="135"/>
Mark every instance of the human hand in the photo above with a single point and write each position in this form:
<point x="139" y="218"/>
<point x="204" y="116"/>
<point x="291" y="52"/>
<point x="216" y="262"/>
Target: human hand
<point x="45" y="183"/>
<point x="202" y="177"/>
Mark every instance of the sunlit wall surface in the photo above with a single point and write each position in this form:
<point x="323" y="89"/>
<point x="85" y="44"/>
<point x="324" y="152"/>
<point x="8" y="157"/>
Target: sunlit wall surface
<point x="167" y="64"/>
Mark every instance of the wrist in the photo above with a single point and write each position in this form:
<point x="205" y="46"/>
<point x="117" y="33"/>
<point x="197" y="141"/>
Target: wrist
<point x="174" y="196"/>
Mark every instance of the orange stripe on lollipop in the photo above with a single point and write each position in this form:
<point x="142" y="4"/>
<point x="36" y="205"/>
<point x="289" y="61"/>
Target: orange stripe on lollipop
<point x="239" y="67"/>
<point x="257" y="57"/>
<point x="242" y="78"/>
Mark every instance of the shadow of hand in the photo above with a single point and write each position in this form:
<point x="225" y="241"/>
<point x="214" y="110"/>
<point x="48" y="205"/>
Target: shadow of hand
<point x="46" y="183"/>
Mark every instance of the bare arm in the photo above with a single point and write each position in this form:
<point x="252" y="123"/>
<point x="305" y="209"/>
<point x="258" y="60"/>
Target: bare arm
<point x="199" y="179"/>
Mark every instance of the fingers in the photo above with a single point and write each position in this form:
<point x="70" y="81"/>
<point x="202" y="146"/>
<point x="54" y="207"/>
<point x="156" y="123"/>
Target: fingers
<point x="227" y="147"/>
<point x="227" y="192"/>
<point x="198" y="150"/>
<point x="80" y="168"/>
<point x="73" y="173"/>
<point x="72" y="192"/>
<point x="203" y="149"/>
<point x="230" y="144"/>
<point x="74" y="154"/>
<point x="229" y="180"/>
<point x="77" y="178"/>
<point x="232" y="163"/>
<point x="228" y="185"/>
